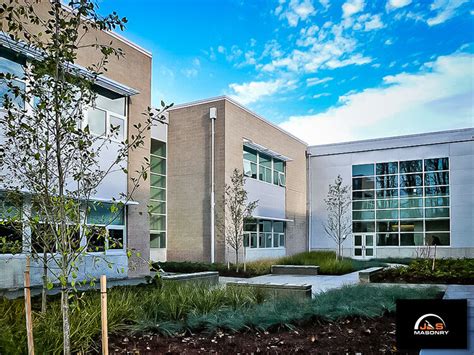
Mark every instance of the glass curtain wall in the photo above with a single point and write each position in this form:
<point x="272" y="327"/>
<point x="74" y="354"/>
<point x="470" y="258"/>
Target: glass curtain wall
<point x="404" y="203"/>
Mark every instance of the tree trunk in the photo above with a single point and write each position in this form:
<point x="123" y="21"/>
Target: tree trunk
<point x="66" y="325"/>
<point x="237" y="259"/>
<point x="44" y="291"/>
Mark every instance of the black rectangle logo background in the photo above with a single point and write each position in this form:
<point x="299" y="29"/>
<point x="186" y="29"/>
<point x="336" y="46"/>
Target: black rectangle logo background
<point x="453" y="313"/>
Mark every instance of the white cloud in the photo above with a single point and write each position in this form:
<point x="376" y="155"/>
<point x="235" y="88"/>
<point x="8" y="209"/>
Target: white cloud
<point x="445" y="10"/>
<point x="351" y="7"/>
<point x="317" y="81"/>
<point x="221" y="49"/>
<point x="374" y="23"/>
<point x="357" y="59"/>
<point x="388" y="42"/>
<point x="253" y="91"/>
<point x="397" y="4"/>
<point x="325" y="3"/>
<point x="317" y="96"/>
<point x="190" y="73"/>
<point x="436" y="98"/>
<point x="297" y="10"/>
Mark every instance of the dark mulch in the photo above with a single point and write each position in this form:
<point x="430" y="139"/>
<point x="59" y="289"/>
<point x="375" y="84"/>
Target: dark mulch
<point x="389" y="276"/>
<point x="351" y="335"/>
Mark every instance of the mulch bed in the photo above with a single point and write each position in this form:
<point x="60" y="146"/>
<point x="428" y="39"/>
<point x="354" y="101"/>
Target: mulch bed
<point x="390" y="277"/>
<point x="351" y="335"/>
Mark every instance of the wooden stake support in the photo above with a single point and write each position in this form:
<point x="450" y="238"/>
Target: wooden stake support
<point x="103" y="307"/>
<point x="29" y="322"/>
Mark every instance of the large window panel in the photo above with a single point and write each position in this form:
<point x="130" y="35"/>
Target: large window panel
<point x="387" y="214"/>
<point x="411" y="166"/>
<point x="387" y="182"/>
<point x="436" y="212"/>
<point x="411" y="213"/>
<point x="388" y="226"/>
<point x="11" y="238"/>
<point x="437" y="239"/>
<point x="387" y="204"/>
<point x="436" y="201"/>
<point x="411" y="239"/>
<point x="265" y="168"/>
<point x="158" y="180"/>
<point x="158" y="240"/>
<point x="363" y="205"/>
<point x="158" y="165"/>
<point x="411" y="226"/>
<point x="363" y="227"/>
<point x="436" y="164"/>
<point x="363" y="215"/>
<point x="158" y="222"/>
<point x="97" y="121"/>
<point x="387" y="239"/>
<point x="363" y="170"/>
<point x="158" y="148"/>
<point x="411" y="180"/>
<point x="387" y="168"/>
<point x="437" y="225"/>
<point x="363" y="183"/>
<point x="411" y="192"/>
<point x="102" y="213"/>
<point x="437" y="178"/>
<point x="363" y="195"/>
<point x="389" y="193"/>
<point x="111" y="102"/>
<point x="411" y="202"/>
<point x="437" y="191"/>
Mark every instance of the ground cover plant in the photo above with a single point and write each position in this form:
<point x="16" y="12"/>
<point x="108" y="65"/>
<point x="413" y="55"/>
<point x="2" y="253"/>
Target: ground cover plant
<point x="176" y="309"/>
<point x="326" y="260"/>
<point x="446" y="271"/>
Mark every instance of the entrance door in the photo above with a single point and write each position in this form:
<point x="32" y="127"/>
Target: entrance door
<point x="364" y="246"/>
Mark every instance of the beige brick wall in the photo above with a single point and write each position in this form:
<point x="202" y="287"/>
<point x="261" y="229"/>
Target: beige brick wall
<point x="189" y="152"/>
<point x="242" y="124"/>
<point x="133" y="70"/>
<point x="189" y="176"/>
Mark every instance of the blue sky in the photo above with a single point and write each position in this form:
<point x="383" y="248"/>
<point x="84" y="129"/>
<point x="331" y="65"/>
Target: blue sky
<point x="327" y="71"/>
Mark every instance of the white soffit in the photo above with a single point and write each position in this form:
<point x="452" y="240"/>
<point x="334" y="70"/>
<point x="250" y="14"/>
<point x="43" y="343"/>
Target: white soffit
<point x="260" y="148"/>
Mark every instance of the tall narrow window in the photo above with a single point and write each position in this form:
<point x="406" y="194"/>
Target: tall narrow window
<point x="157" y="204"/>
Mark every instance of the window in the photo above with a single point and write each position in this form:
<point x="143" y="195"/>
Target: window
<point x="436" y="164"/>
<point x="250" y="162"/>
<point x="387" y="168"/>
<point x="158" y="240"/>
<point x="264" y="233"/>
<point x="157" y="204"/>
<point x="108" y="116"/>
<point x="11" y="228"/>
<point x="106" y="226"/>
<point x="409" y="204"/>
<point x="263" y="166"/>
<point x="13" y="64"/>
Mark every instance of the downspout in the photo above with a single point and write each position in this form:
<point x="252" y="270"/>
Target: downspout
<point x="212" y="116"/>
<point x="308" y="196"/>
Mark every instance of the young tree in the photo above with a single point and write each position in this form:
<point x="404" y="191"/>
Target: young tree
<point x="237" y="209"/>
<point x="338" y="224"/>
<point x="48" y="150"/>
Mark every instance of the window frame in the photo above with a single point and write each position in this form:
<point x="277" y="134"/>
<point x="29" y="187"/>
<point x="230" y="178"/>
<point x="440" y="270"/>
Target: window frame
<point x="274" y="173"/>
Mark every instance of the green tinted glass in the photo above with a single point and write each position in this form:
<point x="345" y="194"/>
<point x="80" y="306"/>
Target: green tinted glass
<point x="158" y="148"/>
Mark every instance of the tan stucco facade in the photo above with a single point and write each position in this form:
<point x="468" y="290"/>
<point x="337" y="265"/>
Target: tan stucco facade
<point x="189" y="172"/>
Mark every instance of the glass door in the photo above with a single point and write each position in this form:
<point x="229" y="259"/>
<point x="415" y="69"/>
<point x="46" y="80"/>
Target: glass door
<point x="364" y="246"/>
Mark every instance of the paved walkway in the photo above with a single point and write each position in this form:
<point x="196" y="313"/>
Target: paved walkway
<point x="459" y="292"/>
<point x="319" y="283"/>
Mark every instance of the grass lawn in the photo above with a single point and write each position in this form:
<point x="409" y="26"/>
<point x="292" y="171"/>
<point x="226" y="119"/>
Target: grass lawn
<point x="326" y="260"/>
<point x="176" y="309"/>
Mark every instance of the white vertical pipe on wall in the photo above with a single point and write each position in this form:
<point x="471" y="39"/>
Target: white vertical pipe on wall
<point x="212" y="116"/>
<point x="309" y="197"/>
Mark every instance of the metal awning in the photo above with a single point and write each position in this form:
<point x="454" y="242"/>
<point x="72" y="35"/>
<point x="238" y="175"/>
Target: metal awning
<point x="33" y="53"/>
<point x="264" y="150"/>
<point x="274" y="219"/>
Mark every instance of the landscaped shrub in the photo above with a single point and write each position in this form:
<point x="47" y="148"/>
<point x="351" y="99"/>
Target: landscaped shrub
<point x="420" y="270"/>
<point x="127" y="307"/>
<point x="326" y="260"/>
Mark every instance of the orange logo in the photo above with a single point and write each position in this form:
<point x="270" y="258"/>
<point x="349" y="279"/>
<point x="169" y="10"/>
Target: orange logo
<point x="430" y="324"/>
